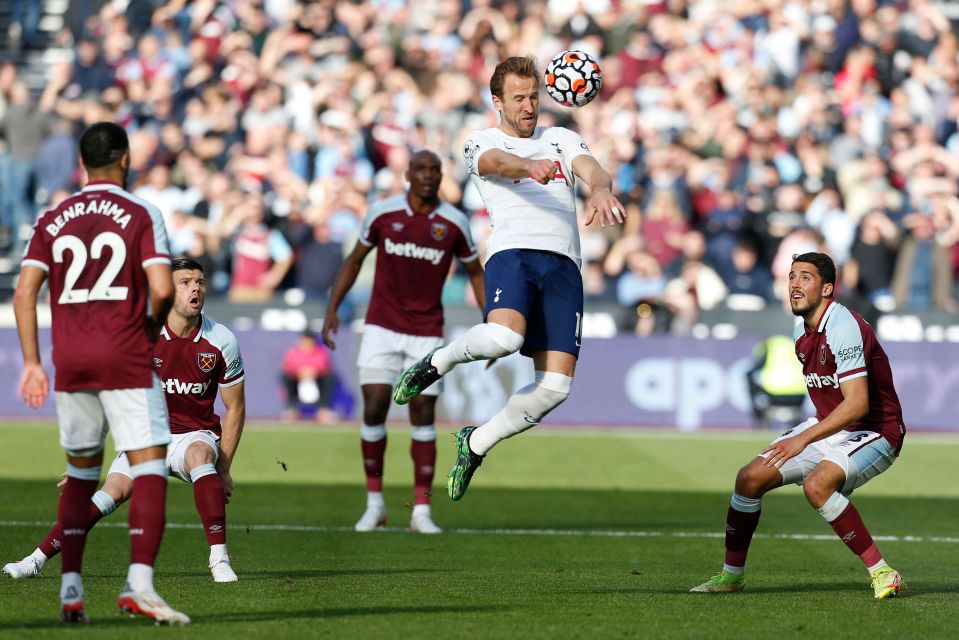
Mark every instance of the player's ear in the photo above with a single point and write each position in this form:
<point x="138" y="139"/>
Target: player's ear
<point x="828" y="289"/>
<point x="125" y="161"/>
<point x="497" y="104"/>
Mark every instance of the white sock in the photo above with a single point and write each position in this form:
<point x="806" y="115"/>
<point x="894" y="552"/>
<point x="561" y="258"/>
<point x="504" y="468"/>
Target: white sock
<point x="38" y="556"/>
<point x="481" y="342"/>
<point x="217" y="552"/>
<point x="728" y="568"/>
<point x="421" y="508"/>
<point x="71" y="587"/>
<point x="140" y="577"/>
<point x="876" y="567"/>
<point x="374" y="499"/>
<point x="523" y="410"/>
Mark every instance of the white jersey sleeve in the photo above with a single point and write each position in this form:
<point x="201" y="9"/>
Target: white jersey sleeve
<point x="845" y="340"/>
<point x="224" y="340"/>
<point x="572" y="144"/>
<point x="476" y="145"/>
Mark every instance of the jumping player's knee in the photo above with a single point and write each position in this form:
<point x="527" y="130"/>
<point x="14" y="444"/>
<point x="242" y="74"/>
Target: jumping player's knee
<point x="505" y="338"/>
<point x="548" y="392"/>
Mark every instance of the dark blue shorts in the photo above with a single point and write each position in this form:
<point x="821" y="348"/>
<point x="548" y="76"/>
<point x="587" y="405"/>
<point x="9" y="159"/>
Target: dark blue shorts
<point x="546" y="288"/>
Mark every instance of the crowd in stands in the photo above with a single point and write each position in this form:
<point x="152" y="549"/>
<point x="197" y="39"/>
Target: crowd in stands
<point x="738" y="132"/>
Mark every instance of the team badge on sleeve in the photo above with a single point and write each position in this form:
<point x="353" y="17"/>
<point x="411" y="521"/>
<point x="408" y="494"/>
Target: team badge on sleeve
<point x="438" y="231"/>
<point x="206" y="361"/>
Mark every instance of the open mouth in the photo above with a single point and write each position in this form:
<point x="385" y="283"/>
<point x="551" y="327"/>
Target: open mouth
<point x="195" y="301"/>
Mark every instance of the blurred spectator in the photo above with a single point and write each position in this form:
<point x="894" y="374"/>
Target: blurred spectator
<point x="923" y="277"/>
<point x="24" y="126"/>
<point x="318" y="258"/>
<point x="308" y="380"/>
<point x="789" y="123"/>
<point x="261" y="255"/>
<point x="872" y="259"/>
<point x="746" y="275"/>
<point x="24" y="22"/>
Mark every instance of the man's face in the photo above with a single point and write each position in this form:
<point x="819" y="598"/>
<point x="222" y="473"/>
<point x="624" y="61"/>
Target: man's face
<point x="519" y="106"/>
<point x="806" y="288"/>
<point x="425" y="173"/>
<point x="190" y="292"/>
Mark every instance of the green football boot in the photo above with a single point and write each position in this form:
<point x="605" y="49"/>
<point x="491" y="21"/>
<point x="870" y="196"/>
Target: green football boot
<point x="722" y="582"/>
<point x="466" y="464"/>
<point x="414" y="380"/>
<point x="886" y="583"/>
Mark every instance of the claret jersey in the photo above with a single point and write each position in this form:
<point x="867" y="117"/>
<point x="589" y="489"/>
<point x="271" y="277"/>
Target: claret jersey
<point x="842" y="347"/>
<point x="95" y="247"/>
<point x="192" y="369"/>
<point x="413" y="257"/>
<point x="525" y="214"/>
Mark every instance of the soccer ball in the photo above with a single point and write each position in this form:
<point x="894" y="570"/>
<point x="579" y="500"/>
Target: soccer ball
<point x="573" y="78"/>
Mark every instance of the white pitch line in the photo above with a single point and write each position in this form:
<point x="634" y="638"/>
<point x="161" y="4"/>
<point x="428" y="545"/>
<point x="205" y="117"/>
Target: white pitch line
<point x="567" y="533"/>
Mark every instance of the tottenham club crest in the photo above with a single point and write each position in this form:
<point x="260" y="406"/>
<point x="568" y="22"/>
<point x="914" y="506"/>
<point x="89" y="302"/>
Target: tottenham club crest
<point x="438" y="231"/>
<point x="206" y="361"/>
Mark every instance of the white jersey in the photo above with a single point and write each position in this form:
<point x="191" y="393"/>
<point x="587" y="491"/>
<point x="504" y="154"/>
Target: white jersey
<point x="525" y="214"/>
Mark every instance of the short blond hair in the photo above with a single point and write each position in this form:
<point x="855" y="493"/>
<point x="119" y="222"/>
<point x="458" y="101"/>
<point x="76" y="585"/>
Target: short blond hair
<point x="524" y="67"/>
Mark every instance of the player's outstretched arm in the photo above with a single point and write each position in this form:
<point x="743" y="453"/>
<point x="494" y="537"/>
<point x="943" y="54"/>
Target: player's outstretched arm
<point x="341" y="286"/>
<point x="854" y="405"/>
<point x="34" y="384"/>
<point x="601" y="201"/>
<point x="234" y="399"/>
<point x="500" y="163"/>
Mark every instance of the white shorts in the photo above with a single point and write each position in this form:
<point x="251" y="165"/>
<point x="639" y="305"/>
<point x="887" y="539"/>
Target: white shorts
<point x="384" y="355"/>
<point x="862" y="455"/>
<point x="137" y="418"/>
<point x="175" y="454"/>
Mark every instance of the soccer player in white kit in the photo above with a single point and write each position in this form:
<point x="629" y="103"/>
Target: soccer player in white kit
<point x="526" y="176"/>
<point x="416" y="236"/>
<point x="194" y="358"/>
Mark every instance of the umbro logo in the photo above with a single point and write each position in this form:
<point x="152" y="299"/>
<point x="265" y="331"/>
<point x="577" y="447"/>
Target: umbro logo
<point x="157" y="362"/>
<point x="215" y="528"/>
<point x="730" y="530"/>
<point x="397" y="226"/>
<point x="849" y="536"/>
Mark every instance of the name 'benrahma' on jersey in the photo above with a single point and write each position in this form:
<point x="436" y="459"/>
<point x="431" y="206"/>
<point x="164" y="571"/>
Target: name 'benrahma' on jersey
<point x="413" y="257"/>
<point x="524" y="213"/>
<point x="95" y="247"/>
<point x="844" y="347"/>
<point x="192" y="369"/>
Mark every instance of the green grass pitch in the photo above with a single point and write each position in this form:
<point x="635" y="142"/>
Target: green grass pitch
<point x="563" y="534"/>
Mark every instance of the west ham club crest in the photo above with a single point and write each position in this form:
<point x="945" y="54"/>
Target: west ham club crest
<point x="438" y="231"/>
<point x="206" y="361"/>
